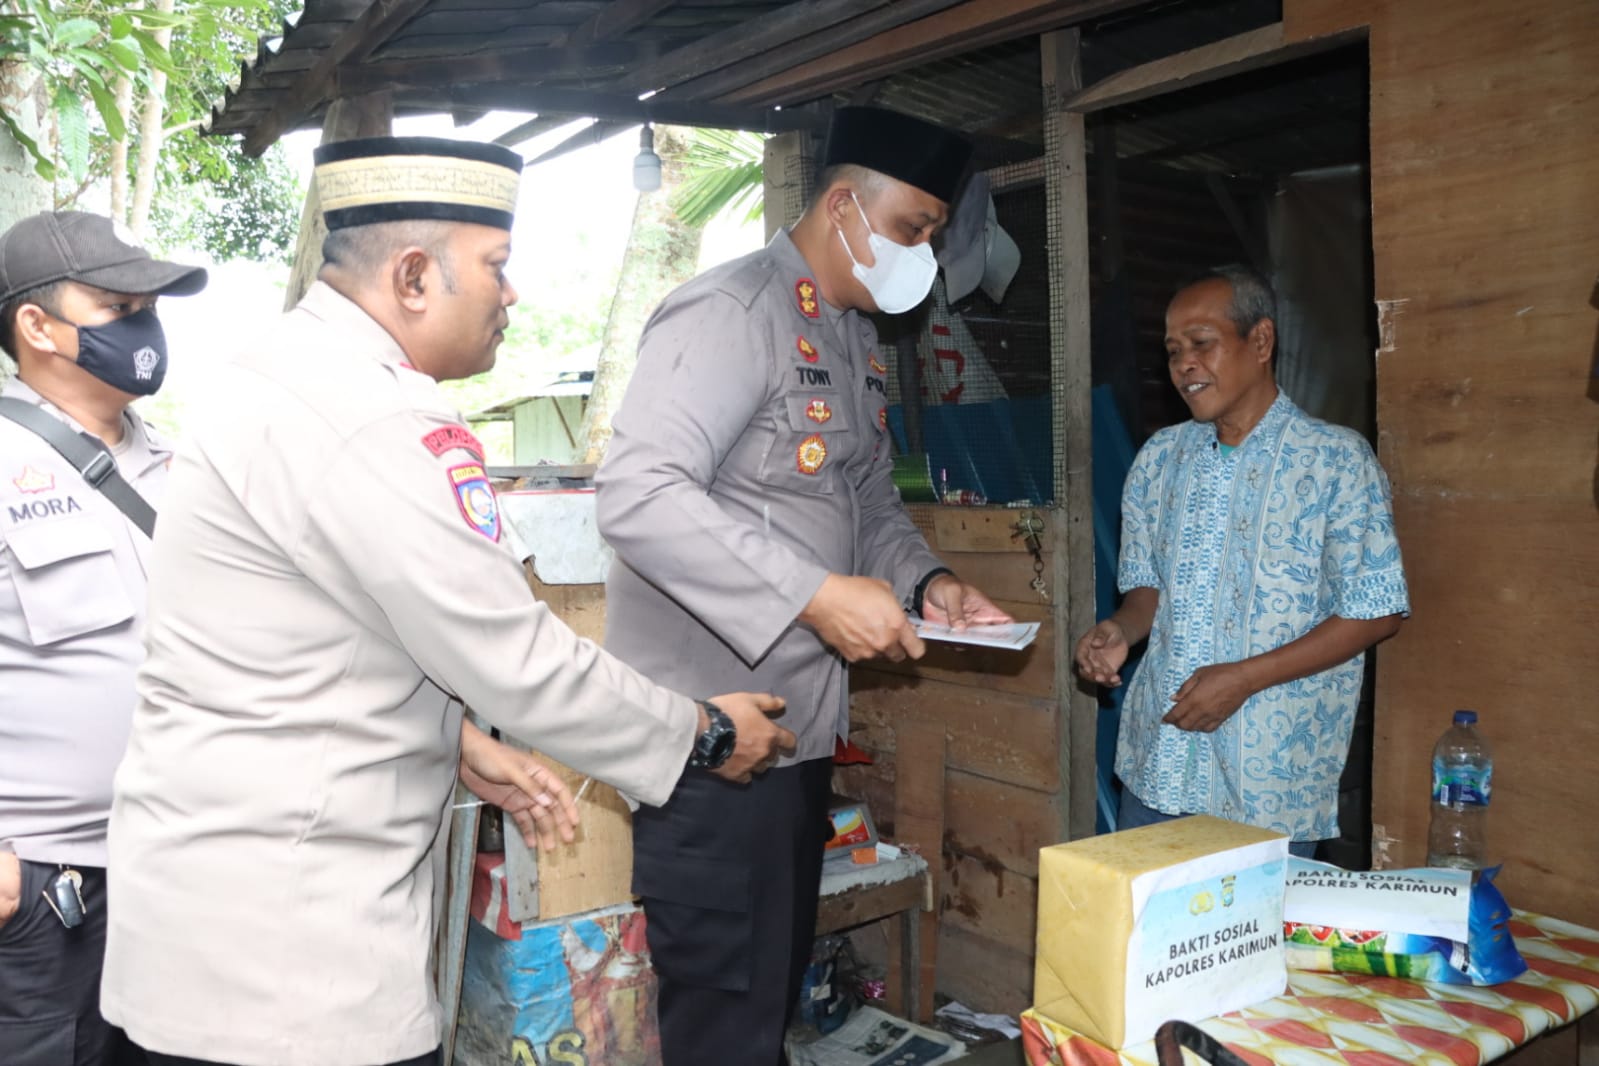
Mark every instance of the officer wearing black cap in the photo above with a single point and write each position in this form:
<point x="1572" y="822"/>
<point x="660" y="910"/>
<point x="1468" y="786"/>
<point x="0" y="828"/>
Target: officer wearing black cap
<point x="761" y="542"/>
<point x="77" y="314"/>
<point x="331" y="585"/>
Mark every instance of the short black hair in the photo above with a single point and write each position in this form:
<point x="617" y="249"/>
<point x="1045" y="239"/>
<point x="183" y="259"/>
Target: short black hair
<point x="44" y="296"/>
<point x="363" y="249"/>
<point x="869" y="180"/>
<point x="1253" y="299"/>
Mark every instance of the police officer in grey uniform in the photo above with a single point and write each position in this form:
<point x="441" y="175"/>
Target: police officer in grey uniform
<point x="761" y="544"/>
<point x="77" y="313"/>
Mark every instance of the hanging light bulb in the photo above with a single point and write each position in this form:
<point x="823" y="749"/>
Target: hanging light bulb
<point x="646" y="165"/>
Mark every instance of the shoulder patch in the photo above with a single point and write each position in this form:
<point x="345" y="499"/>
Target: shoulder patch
<point x="442" y="440"/>
<point x="475" y="496"/>
<point x="33" y="480"/>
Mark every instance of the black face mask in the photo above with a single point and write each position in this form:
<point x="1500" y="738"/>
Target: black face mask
<point x="128" y="354"/>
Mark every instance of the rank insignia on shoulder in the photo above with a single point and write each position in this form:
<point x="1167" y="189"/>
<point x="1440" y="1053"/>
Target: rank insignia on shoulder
<point x="818" y="411"/>
<point x="32" y="481"/>
<point x="808" y="351"/>
<point x="812" y="454"/>
<point x="475" y="496"/>
<point x="805" y="292"/>
<point x="877" y="367"/>
<point x="444" y="438"/>
<point x="882" y="418"/>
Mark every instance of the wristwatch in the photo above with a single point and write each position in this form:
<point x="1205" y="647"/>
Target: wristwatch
<point x="712" y="747"/>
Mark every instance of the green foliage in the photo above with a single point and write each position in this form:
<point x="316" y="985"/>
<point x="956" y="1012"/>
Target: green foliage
<point x="722" y="174"/>
<point x="80" y="50"/>
<point x="241" y="209"/>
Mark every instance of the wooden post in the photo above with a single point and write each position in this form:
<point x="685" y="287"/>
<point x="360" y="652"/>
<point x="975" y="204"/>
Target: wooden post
<point x="1072" y="587"/>
<point x="362" y="116"/>
<point x="919" y="819"/>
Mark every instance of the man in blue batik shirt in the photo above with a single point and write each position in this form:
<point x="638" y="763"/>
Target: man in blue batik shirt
<point x="1258" y="558"/>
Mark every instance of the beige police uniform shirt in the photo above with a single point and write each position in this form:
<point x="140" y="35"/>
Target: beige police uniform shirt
<point x="329" y="587"/>
<point x="751" y="457"/>
<point x="72" y="588"/>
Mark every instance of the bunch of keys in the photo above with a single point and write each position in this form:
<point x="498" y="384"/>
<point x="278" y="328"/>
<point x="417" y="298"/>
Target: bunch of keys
<point x="64" y="893"/>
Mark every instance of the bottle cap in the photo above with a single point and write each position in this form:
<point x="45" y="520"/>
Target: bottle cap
<point x="1465" y="717"/>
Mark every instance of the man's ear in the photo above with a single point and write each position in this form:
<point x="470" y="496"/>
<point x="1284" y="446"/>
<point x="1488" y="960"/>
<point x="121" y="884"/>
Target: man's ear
<point x="410" y="279"/>
<point x="1263" y="339"/>
<point x="839" y="203"/>
<point x="36" y="329"/>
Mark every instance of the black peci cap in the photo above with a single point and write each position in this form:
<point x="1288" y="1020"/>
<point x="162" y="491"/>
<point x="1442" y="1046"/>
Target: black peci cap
<point x="905" y="148"/>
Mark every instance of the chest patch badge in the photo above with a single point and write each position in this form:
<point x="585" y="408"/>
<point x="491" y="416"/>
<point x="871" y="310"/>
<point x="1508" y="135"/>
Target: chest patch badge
<point x="442" y="440"/>
<point x="475" y="496"/>
<point x="812" y="454"/>
<point x="877" y="367"/>
<point x="805" y="294"/>
<point x="818" y="411"/>
<point x="808" y="351"/>
<point x="33" y="481"/>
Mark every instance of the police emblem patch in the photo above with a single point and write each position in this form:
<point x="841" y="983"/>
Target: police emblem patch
<point x="877" y="367"/>
<point x="31" y="480"/>
<point x="818" y="411"/>
<point x="808" y="351"/>
<point x="475" y="496"/>
<point x="442" y="440"/>
<point x="805" y="293"/>
<point x="812" y="454"/>
<point x="882" y="418"/>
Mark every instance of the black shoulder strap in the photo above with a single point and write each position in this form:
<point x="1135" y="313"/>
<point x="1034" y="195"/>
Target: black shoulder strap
<point x="86" y="453"/>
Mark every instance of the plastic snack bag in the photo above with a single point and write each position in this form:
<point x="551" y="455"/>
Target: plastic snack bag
<point x="1421" y="925"/>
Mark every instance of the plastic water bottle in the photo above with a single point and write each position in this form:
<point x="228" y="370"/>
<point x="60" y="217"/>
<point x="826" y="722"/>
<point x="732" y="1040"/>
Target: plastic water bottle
<point x="1462" y="781"/>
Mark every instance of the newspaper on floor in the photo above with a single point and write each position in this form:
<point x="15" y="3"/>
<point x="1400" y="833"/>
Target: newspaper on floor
<point x="874" y="1038"/>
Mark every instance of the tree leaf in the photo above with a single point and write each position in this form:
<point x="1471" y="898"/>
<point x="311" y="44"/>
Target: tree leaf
<point x="125" y="56"/>
<point x="156" y="19"/>
<point x="73" y="127"/>
<point x="106" y="104"/>
<point x="75" y="32"/>
<point x="157" y="56"/>
<point x="121" y="26"/>
<point x="41" y="163"/>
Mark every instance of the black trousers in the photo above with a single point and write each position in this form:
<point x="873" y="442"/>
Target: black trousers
<point x="432" y="1058"/>
<point x="50" y="980"/>
<point x="728" y="875"/>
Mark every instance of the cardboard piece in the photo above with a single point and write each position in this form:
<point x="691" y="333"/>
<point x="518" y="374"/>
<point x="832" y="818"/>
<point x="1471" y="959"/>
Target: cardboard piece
<point x="1178" y="920"/>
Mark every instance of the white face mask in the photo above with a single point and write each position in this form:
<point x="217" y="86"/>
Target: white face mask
<point x="899" y="277"/>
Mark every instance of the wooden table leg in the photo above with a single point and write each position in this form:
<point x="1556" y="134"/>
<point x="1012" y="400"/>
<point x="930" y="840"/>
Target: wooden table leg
<point x="911" y="965"/>
<point x="898" y="948"/>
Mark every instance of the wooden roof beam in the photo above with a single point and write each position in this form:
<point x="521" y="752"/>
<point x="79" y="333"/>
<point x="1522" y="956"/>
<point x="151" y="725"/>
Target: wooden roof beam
<point x="518" y="65"/>
<point x="615" y="19"/>
<point x="618" y="107"/>
<point x="1259" y="48"/>
<point x="377" y="24"/>
<point x="966" y="27"/>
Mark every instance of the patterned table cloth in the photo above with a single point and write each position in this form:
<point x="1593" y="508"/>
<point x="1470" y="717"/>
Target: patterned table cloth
<point x="1329" y="1019"/>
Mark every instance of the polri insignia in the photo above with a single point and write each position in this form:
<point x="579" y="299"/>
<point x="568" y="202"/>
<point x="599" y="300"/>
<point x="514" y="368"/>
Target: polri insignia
<point x="442" y="440"/>
<point x="808" y="351"/>
<point x="812" y="454"/>
<point x="818" y="411"/>
<point x="32" y="481"/>
<point x="877" y="368"/>
<point x="475" y="496"/>
<point x="805" y="290"/>
<point x="882" y="418"/>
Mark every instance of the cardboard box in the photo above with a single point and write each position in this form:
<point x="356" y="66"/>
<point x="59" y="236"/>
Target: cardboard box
<point x="1177" y="920"/>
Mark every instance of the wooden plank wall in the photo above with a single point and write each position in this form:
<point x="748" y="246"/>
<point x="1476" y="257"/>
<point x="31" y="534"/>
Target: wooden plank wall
<point x="1003" y="796"/>
<point x="1485" y="204"/>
